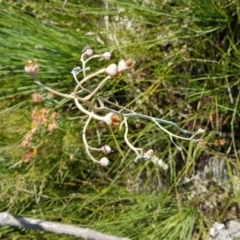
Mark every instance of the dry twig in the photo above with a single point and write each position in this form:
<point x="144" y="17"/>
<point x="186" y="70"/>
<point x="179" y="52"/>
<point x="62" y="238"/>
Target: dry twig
<point x="7" y="219"/>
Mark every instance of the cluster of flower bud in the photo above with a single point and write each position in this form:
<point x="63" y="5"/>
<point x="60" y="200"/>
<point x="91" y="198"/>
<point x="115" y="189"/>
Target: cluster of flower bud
<point x="106" y="149"/>
<point x="88" y="52"/>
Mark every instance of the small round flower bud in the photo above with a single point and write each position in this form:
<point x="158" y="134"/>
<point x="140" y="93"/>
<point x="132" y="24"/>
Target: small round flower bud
<point x="32" y="67"/>
<point x="106" y="149"/>
<point x="112" y="70"/>
<point x="148" y="154"/>
<point x="104" y="162"/>
<point x="106" y="55"/>
<point x="87" y="51"/>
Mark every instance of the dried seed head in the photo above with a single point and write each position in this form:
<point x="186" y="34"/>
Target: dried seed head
<point x="112" y="119"/>
<point x="52" y="127"/>
<point x="37" y="98"/>
<point x="115" y="120"/>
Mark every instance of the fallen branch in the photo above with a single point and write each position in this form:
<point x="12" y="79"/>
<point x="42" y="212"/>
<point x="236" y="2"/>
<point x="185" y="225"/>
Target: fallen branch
<point x="7" y="219"/>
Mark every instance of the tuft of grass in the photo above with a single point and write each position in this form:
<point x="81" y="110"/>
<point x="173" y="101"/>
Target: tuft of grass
<point x="186" y="56"/>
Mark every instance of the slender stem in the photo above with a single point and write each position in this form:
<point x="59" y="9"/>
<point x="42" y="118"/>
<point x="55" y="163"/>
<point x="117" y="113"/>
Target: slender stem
<point x="159" y="120"/>
<point x="84" y="62"/>
<point x="171" y="134"/>
<point x="88" y="97"/>
<point x="126" y="138"/>
<point x="83" y="65"/>
<point x="92" y="57"/>
<point x="128" y="115"/>
<point x="75" y="78"/>
<point x="82" y="109"/>
<point x="76" y="99"/>
<point x="85" y="79"/>
<point x="85" y="139"/>
<point x="53" y="91"/>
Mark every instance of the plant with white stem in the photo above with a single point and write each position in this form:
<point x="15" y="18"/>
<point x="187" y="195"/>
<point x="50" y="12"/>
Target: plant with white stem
<point x="112" y="117"/>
